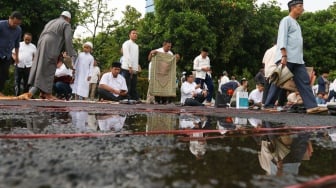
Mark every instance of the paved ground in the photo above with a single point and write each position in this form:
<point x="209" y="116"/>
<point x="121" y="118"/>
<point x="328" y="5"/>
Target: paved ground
<point x="131" y="161"/>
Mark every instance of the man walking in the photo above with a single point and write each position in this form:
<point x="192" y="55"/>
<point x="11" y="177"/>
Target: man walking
<point x="290" y="53"/>
<point x="22" y="68"/>
<point x="130" y="63"/>
<point x="10" y="34"/>
<point x="56" y="34"/>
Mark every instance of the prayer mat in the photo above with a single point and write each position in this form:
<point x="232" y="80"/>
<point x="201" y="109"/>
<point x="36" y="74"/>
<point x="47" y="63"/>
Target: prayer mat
<point x="163" y="75"/>
<point x="161" y="122"/>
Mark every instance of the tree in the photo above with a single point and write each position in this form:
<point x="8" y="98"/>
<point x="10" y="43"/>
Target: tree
<point x="96" y="17"/>
<point x="35" y="14"/>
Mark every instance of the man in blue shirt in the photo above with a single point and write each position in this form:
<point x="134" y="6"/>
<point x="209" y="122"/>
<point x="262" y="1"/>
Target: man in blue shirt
<point x="10" y="34"/>
<point x="290" y="53"/>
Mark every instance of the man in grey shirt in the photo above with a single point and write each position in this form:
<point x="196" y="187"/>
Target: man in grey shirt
<point x="56" y="34"/>
<point x="290" y="53"/>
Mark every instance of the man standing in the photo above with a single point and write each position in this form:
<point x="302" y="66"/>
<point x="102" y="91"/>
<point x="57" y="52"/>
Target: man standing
<point x="10" y="34"/>
<point x="202" y="68"/>
<point x="26" y="56"/>
<point x="166" y="46"/>
<point x="94" y="79"/>
<point x="112" y="85"/>
<point x="56" y="34"/>
<point x="130" y="63"/>
<point x="290" y="53"/>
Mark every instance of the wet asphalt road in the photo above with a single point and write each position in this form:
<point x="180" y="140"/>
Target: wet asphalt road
<point x="107" y="161"/>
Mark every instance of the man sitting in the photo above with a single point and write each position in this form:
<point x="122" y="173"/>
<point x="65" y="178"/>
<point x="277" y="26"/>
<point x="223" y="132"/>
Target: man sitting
<point x="112" y="85"/>
<point x="63" y="79"/>
<point x="191" y="93"/>
<point x="255" y="97"/>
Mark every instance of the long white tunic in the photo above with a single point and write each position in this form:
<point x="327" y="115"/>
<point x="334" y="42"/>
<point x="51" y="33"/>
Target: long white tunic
<point x="83" y="69"/>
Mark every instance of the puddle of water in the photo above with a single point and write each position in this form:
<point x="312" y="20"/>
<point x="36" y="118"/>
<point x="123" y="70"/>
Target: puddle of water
<point x="216" y="151"/>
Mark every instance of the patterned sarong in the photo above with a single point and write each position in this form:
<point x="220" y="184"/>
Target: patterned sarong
<point x="163" y="75"/>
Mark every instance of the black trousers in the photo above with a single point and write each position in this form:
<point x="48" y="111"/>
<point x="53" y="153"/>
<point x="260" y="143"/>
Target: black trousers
<point x="4" y="72"/>
<point x="21" y="74"/>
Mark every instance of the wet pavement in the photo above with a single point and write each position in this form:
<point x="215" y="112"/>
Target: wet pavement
<point x="86" y="144"/>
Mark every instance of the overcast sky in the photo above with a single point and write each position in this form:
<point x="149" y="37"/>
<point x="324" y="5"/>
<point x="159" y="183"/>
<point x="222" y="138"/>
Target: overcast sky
<point x="309" y="5"/>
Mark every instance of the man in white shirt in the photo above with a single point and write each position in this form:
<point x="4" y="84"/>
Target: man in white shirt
<point x="94" y="79"/>
<point x="191" y="93"/>
<point x="166" y="46"/>
<point x="202" y="68"/>
<point x="224" y="79"/>
<point x="255" y="97"/>
<point x="130" y="63"/>
<point x="112" y="85"/>
<point x="27" y="53"/>
<point x="63" y="79"/>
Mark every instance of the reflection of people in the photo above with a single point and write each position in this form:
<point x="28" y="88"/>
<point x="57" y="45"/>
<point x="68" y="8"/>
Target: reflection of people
<point x="26" y="56"/>
<point x="283" y="154"/>
<point x="197" y="145"/>
<point x="54" y="36"/>
<point x="111" y="122"/>
<point x="79" y="119"/>
<point x="10" y="34"/>
<point x="112" y="85"/>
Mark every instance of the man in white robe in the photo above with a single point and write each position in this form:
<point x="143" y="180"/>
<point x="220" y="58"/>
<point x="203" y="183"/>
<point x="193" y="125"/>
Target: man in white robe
<point x="83" y="72"/>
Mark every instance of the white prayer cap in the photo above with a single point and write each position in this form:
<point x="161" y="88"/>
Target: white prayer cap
<point x="88" y="44"/>
<point x="66" y="14"/>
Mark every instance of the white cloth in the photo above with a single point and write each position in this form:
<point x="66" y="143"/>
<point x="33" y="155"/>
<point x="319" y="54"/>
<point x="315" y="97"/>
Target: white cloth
<point x="63" y="71"/>
<point x="332" y="86"/>
<point x="224" y="79"/>
<point x="114" y="122"/>
<point x="187" y="90"/>
<point x="130" y="55"/>
<point x="26" y="54"/>
<point x="116" y="83"/>
<point x="256" y="96"/>
<point x="269" y="61"/>
<point x="199" y="63"/>
<point x="95" y="75"/>
<point x="83" y="69"/>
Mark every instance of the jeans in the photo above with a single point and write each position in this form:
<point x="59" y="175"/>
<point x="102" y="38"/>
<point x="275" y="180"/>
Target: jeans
<point x="62" y="89"/>
<point x="21" y="74"/>
<point x="4" y="72"/>
<point x="209" y="84"/>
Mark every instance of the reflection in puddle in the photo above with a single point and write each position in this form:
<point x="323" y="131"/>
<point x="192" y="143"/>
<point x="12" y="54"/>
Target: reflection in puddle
<point x="208" y="148"/>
